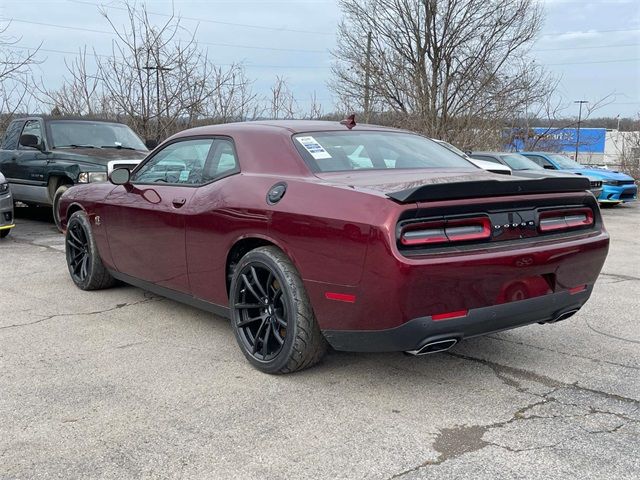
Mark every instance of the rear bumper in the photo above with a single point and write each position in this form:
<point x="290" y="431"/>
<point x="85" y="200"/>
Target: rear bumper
<point x="415" y="333"/>
<point x="623" y="193"/>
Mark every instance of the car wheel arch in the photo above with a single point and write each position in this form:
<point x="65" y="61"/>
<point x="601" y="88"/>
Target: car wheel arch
<point x="246" y="243"/>
<point x="71" y="209"/>
<point x="57" y="181"/>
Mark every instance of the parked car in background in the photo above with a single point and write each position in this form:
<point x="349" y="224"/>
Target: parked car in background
<point x="485" y="165"/>
<point x="41" y="157"/>
<point x="524" y="167"/>
<point x="6" y="208"/>
<point x="273" y="225"/>
<point x="617" y="187"/>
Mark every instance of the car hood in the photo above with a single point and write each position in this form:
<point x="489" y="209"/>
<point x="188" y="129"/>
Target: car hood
<point x="100" y="156"/>
<point x="418" y="185"/>
<point x="600" y="173"/>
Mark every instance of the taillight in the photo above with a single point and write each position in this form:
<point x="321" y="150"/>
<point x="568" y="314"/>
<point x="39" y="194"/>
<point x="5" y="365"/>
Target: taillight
<point x="552" y="220"/>
<point x="446" y="231"/>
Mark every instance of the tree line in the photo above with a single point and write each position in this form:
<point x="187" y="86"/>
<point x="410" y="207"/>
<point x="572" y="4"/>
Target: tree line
<point x="459" y="70"/>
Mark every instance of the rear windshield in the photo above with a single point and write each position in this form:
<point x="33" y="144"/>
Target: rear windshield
<point x="342" y="151"/>
<point x="565" y="162"/>
<point x="520" y="162"/>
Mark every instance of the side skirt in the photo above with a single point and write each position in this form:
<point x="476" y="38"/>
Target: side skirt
<point x="173" y="295"/>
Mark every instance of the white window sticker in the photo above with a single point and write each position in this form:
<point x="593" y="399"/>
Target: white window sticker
<point x="184" y="175"/>
<point x="312" y="146"/>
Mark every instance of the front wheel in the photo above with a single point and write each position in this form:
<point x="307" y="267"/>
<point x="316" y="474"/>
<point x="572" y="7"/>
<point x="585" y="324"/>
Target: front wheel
<point x="83" y="260"/>
<point x="271" y="315"/>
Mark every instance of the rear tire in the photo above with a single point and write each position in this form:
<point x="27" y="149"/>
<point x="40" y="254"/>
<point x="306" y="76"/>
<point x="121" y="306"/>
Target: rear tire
<point x="56" y="202"/>
<point x="83" y="260"/>
<point x="271" y="315"/>
<point x="4" y="233"/>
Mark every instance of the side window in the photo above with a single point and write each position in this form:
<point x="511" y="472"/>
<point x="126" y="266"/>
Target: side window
<point x="11" y="136"/>
<point x="543" y="162"/>
<point x="222" y="160"/>
<point x="32" y="127"/>
<point x="178" y="163"/>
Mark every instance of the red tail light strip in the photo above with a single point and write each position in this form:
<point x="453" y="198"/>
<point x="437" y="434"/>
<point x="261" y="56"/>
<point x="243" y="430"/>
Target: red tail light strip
<point x="564" y="219"/>
<point x="476" y="228"/>
<point x="449" y="315"/>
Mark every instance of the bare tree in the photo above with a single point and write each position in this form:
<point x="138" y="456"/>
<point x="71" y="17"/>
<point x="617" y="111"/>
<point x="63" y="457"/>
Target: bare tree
<point x="446" y="68"/>
<point x="81" y="92"/>
<point x="234" y="99"/>
<point x="15" y="76"/>
<point x="315" y="108"/>
<point x="282" y="103"/>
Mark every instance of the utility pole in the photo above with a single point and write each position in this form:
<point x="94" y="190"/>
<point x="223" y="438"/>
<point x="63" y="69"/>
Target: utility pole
<point x="367" y="81"/>
<point x="580" y="102"/>
<point x="158" y="69"/>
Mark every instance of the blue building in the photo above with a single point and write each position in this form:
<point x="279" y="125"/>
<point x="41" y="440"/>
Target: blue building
<point x="591" y="145"/>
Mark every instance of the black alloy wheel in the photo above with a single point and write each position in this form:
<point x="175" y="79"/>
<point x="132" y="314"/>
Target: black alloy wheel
<point x="77" y="252"/>
<point x="271" y="314"/>
<point x="262" y="309"/>
<point x="83" y="259"/>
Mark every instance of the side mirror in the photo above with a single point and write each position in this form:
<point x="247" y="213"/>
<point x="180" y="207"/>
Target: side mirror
<point x="28" y="140"/>
<point x="150" y="143"/>
<point x="120" y="176"/>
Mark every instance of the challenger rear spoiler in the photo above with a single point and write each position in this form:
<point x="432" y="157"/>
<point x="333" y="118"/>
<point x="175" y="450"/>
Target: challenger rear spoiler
<point x="490" y="188"/>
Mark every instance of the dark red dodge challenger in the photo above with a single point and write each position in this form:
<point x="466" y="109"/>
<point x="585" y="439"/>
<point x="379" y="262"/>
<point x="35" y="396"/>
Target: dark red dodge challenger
<point x="360" y="237"/>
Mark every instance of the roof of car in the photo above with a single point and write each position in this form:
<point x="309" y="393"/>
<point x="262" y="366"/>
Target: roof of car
<point x="496" y="154"/>
<point x="50" y="118"/>
<point x="292" y="126"/>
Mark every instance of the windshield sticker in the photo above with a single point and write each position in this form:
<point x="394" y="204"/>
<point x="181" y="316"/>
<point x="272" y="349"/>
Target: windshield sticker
<point x="312" y="146"/>
<point x="184" y="175"/>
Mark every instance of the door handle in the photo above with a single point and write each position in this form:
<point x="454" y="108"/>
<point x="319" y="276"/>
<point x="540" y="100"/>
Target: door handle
<point x="179" y="202"/>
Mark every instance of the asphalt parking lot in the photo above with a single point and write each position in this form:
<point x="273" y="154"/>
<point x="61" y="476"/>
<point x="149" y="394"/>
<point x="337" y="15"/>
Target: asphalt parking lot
<point x="123" y="384"/>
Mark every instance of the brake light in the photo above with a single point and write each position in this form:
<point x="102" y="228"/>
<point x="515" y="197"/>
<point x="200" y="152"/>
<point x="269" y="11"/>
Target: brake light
<point x="446" y="231"/>
<point x="449" y="315"/>
<point x="574" y="290"/>
<point x="563" y="219"/>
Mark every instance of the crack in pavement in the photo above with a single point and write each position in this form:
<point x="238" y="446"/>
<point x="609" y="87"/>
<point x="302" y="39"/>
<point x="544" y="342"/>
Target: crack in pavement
<point x="620" y="277"/>
<point x="609" y="335"/>
<point x="451" y="443"/>
<point x="23" y="241"/>
<point x="98" y="312"/>
<point x="596" y="360"/>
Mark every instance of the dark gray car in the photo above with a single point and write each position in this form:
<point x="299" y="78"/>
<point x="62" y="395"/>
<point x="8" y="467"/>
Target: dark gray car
<point x="6" y="208"/>
<point x="521" y="166"/>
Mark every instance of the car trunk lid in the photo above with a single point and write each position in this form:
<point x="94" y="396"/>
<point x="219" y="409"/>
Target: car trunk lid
<point x="410" y="186"/>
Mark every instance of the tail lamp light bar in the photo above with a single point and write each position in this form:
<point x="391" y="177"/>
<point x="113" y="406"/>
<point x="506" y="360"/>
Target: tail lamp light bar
<point x="446" y="231"/>
<point x="553" y="220"/>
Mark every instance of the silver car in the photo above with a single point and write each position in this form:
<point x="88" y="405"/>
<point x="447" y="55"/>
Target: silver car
<point x="6" y="208"/>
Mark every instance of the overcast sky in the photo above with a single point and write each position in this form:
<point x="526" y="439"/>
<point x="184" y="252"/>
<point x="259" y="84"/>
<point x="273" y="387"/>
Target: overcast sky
<point x="592" y="46"/>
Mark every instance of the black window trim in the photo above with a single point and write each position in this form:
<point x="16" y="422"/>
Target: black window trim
<point x="155" y="152"/>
